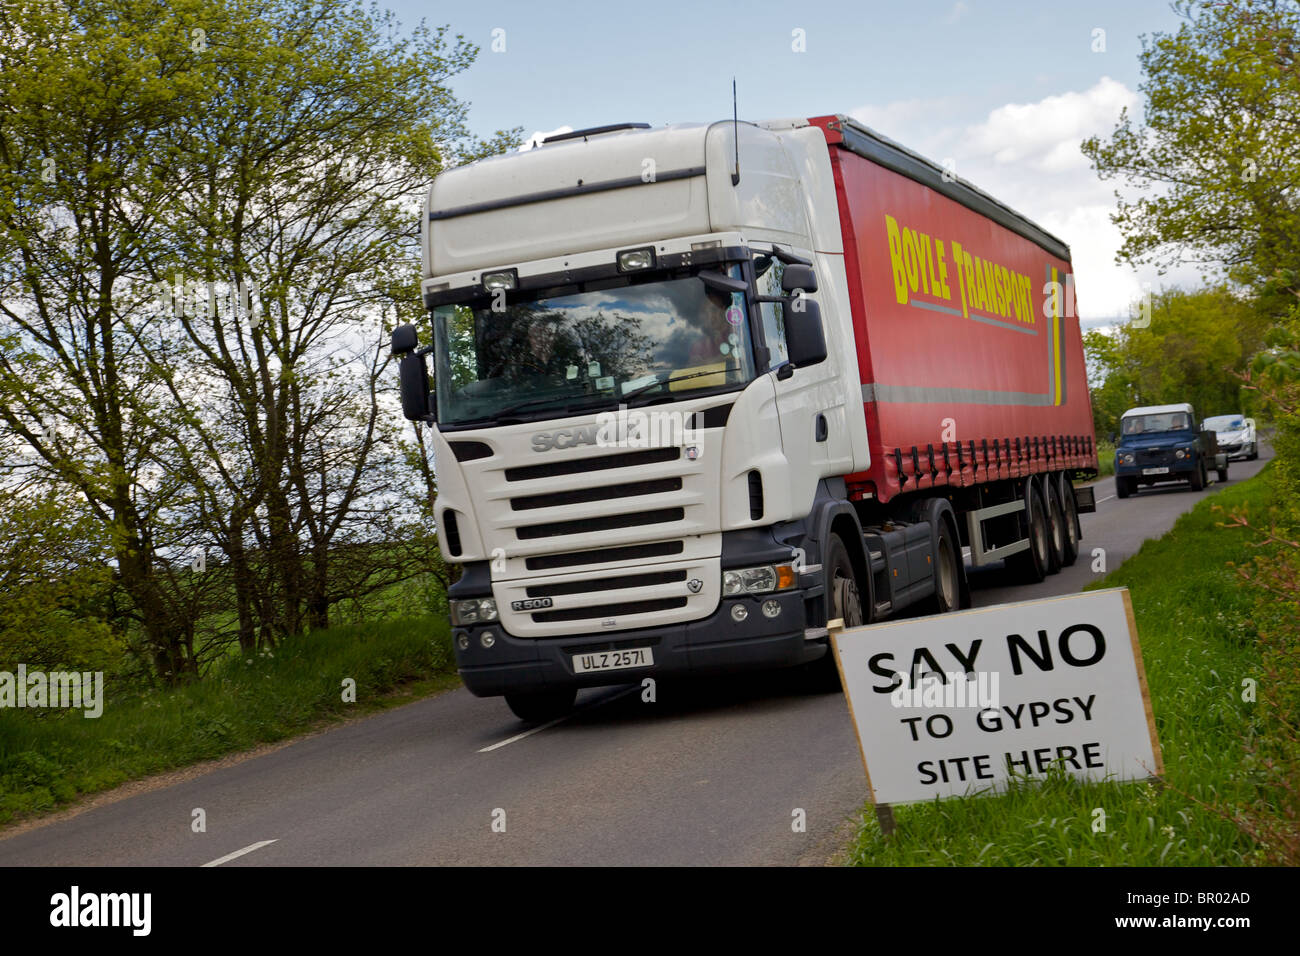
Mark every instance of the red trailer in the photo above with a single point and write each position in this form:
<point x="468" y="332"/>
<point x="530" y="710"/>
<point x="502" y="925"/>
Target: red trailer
<point x="968" y="341"/>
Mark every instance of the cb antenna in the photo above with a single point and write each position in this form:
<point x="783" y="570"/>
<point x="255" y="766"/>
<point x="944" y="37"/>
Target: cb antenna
<point x="735" y="133"/>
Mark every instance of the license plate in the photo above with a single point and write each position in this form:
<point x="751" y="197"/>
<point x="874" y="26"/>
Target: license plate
<point x="1155" y="471"/>
<point x="613" y="660"/>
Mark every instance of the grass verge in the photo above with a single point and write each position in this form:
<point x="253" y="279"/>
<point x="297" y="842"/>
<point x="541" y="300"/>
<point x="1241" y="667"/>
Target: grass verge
<point x="48" y="759"/>
<point x="1198" y="644"/>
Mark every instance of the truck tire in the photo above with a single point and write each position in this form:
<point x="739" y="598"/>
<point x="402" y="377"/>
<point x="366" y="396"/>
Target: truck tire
<point x="1030" y="565"/>
<point x="946" y="571"/>
<point x="539" y="708"/>
<point x="1198" y="476"/>
<point x="1123" y="487"/>
<point x="843" y="600"/>
<point x="1055" y="527"/>
<point x="1071" y="508"/>
<point x="1223" y="474"/>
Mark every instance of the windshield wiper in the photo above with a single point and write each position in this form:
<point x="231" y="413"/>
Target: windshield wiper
<point x="681" y="378"/>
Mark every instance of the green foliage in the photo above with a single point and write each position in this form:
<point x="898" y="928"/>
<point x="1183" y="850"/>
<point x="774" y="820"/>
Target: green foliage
<point x="1194" y="350"/>
<point x="1198" y="642"/>
<point x="53" y="586"/>
<point x="48" y="759"/>
<point x="1215" y="155"/>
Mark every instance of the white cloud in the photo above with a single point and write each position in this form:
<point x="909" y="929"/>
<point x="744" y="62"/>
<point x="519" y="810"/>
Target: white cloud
<point x="1028" y="156"/>
<point x="536" y="136"/>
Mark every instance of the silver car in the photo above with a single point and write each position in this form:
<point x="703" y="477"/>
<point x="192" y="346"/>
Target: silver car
<point x="1236" y="435"/>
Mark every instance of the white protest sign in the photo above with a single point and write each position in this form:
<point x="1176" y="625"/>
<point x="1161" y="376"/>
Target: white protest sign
<point x="958" y="703"/>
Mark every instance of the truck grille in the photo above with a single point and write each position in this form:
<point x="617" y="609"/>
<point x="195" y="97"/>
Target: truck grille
<point x="606" y="584"/>
<point x="636" y="519"/>
<point x="610" y="599"/>
<point x="577" y="466"/>
<point x="549" y="562"/>
<point x="609" y="610"/>
<point x="585" y="495"/>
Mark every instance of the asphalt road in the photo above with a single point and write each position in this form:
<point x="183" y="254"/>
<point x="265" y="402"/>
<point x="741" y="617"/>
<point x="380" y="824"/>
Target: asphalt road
<point x="714" y="773"/>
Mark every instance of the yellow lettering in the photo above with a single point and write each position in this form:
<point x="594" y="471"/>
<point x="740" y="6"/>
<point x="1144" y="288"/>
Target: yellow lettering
<point x="958" y="257"/>
<point x="927" y="264"/>
<point x="910" y="262"/>
<point x="896" y="259"/>
<point x="943" y="270"/>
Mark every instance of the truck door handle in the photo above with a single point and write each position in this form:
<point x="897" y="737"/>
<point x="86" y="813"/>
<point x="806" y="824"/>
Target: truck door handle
<point x="823" y="429"/>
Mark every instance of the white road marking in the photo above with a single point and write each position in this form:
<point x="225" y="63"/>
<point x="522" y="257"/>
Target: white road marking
<point x="551" y="723"/>
<point x="238" y="853"/>
<point x="1100" y="500"/>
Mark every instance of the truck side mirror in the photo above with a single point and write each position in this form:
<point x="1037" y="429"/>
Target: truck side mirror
<point x="798" y="277"/>
<point x="805" y="339"/>
<point x="412" y="374"/>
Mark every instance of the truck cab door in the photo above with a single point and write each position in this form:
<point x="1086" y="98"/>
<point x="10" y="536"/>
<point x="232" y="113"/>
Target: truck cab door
<point x="807" y="415"/>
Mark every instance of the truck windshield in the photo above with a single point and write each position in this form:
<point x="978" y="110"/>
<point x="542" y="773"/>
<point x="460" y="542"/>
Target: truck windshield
<point x="1164" y="422"/>
<point x="571" y="350"/>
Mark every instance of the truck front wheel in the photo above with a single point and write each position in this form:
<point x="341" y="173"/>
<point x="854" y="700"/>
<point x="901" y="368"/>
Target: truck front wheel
<point x="1124" y="487"/>
<point x="1198" y="476"/>
<point x="539" y="708"/>
<point x="843" y="601"/>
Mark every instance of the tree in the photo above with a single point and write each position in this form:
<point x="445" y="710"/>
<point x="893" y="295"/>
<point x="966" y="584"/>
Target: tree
<point x="1194" y="350"/>
<point x="1215" y="157"/>
<point x="264" y="147"/>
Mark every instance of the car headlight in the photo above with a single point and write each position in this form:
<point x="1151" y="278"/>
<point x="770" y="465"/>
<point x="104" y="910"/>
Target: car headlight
<point x="473" y="611"/>
<point x="761" y="580"/>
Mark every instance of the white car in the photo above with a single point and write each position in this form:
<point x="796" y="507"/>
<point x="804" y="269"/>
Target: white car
<point x="1236" y="435"/>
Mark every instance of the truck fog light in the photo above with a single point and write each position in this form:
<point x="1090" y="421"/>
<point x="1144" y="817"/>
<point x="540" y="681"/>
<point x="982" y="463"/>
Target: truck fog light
<point x="771" y="609"/>
<point x="739" y="612"/>
<point x="631" y="260"/>
<point x="462" y="641"/>
<point x="488" y="639"/>
<point x="493" y="281"/>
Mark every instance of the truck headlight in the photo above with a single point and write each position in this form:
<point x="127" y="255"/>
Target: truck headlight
<point x="761" y="580"/>
<point x="1126" y="458"/>
<point x="1181" y="453"/>
<point x="474" y="611"/>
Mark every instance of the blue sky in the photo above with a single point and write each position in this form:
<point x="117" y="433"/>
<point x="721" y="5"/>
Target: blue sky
<point x="1004" y="91"/>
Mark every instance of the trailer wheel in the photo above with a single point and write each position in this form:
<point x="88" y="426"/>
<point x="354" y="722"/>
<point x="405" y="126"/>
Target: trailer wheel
<point x="539" y="708"/>
<point x="1198" y="476"/>
<point x="1223" y="474"/>
<point x="1071" y="522"/>
<point x="843" y="601"/>
<point x="1030" y="565"/>
<point x="1055" y="529"/>
<point x="947" y="573"/>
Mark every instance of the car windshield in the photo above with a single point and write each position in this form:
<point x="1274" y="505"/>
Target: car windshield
<point x="1224" y="423"/>
<point x="572" y="349"/>
<point x="1163" y="422"/>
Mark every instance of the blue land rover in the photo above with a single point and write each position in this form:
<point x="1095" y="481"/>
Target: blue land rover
<point x="1160" y="443"/>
